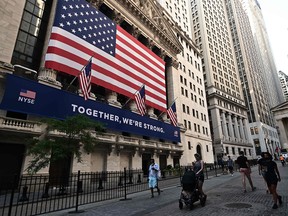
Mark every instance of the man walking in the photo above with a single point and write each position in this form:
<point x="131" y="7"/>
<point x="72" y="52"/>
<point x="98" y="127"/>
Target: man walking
<point x="245" y="171"/>
<point x="153" y="177"/>
<point x="230" y="165"/>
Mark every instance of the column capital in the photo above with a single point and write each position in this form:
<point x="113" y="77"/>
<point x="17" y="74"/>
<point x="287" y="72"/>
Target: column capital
<point x="97" y="3"/>
<point x="119" y="18"/>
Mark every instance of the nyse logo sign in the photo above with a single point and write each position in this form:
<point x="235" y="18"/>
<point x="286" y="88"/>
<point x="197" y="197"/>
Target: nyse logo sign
<point x="27" y="96"/>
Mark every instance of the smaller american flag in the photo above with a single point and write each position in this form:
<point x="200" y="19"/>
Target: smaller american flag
<point x="28" y="93"/>
<point x="85" y="79"/>
<point x="140" y="100"/>
<point x="172" y="114"/>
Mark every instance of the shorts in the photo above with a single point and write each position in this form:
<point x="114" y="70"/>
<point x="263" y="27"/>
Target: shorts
<point x="152" y="182"/>
<point x="200" y="178"/>
<point x="246" y="171"/>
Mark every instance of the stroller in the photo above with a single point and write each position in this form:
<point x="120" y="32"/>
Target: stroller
<point x="190" y="193"/>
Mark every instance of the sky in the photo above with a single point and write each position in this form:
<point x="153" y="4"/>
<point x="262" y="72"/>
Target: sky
<point x="275" y="13"/>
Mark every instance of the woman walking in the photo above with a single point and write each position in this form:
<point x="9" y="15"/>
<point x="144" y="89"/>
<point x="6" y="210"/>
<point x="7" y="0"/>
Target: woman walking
<point x="270" y="173"/>
<point x="245" y="171"/>
<point x="198" y="167"/>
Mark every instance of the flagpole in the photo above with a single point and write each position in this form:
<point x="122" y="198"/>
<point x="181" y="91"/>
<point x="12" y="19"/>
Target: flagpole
<point x="131" y="98"/>
<point x="79" y="72"/>
<point x="166" y="110"/>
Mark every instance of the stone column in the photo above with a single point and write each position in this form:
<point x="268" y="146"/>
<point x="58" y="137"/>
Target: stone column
<point x="241" y="129"/>
<point x="216" y="123"/>
<point x="224" y="124"/>
<point x="48" y="77"/>
<point x="245" y="129"/>
<point x="137" y="159"/>
<point x="230" y="126"/>
<point x="113" y="159"/>
<point x="111" y="97"/>
<point x="237" y="135"/>
<point x="151" y="113"/>
<point x="283" y="133"/>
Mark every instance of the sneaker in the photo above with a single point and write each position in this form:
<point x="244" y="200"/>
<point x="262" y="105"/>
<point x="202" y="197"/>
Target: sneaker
<point x="244" y="191"/>
<point x="280" y="199"/>
<point x="254" y="188"/>
<point x="152" y="196"/>
<point x="275" y="206"/>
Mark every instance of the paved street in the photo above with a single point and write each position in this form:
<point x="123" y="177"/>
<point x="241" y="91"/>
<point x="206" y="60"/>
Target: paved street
<point x="225" y="197"/>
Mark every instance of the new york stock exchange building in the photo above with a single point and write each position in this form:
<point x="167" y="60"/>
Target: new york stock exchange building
<point x="130" y="46"/>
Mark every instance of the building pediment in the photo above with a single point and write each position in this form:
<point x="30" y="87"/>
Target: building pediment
<point x="150" y="20"/>
<point x="280" y="107"/>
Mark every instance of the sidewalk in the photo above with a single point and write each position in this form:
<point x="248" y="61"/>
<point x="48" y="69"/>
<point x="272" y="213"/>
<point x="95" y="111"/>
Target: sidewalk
<point x="225" y="197"/>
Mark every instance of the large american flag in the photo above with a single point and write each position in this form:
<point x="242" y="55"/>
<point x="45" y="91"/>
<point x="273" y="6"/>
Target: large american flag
<point x="171" y="111"/>
<point x="85" y="79"/>
<point x="120" y="62"/>
<point x="140" y="100"/>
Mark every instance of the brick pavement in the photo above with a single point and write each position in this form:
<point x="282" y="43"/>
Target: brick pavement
<point x="225" y="197"/>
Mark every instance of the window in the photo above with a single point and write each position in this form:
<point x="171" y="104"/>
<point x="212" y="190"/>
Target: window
<point x="29" y="42"/>
<point x="189" y="145"/>
<point x="227" y="150"/>
<point x="233" y="150"/>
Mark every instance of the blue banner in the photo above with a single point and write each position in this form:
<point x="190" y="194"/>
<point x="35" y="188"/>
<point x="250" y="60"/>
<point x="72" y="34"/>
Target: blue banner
<point x="27" y="96"/>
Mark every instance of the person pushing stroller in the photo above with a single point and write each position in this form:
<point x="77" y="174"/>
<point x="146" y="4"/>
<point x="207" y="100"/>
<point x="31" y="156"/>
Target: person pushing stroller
<point x="192" y="182"/>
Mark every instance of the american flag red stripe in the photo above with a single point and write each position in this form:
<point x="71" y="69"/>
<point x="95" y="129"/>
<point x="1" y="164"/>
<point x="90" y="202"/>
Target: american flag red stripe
<point x="131" y="66"/>
<point x="85" y="79"/>
<point x="171" y="111"/>
<point x="140" y="100"/>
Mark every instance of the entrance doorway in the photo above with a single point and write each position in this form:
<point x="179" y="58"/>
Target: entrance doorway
<point x="13" y="155"/>
<point x="145" y="163"/>
<point x="162" y="162"/>
<point x="59" y="172"/>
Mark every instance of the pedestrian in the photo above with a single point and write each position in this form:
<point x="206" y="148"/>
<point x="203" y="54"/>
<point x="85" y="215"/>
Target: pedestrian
<point x="221" y="163"/>
<point x="282" y="159"/>
<point x="271" y="174"/>
<point x="153" y="177"/>
<point x="245" y="171"/>
<point x="198" y="168"/>
<point x="261" y="172"/>
<point x="230" y="165"/>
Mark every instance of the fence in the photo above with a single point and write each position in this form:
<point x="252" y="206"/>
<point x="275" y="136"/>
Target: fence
<point x="39" y="194"/>
<point x="34" y="195"/>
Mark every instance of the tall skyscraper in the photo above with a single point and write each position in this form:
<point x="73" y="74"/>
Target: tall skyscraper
<point x="187" y="86"/>
<point x="284" y="84"/>
<point x="227" y="109"/>
<point x="260" y="36"/>
<point x="250" y="66"/>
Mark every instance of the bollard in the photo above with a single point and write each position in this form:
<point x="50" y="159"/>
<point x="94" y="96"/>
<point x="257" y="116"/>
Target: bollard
<point x="46" y="190"/>
<point x="100" y="184"/>
<point x="139" y="178"/>
<point x="120" y="181"/>
<point x="24" y="197"/>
